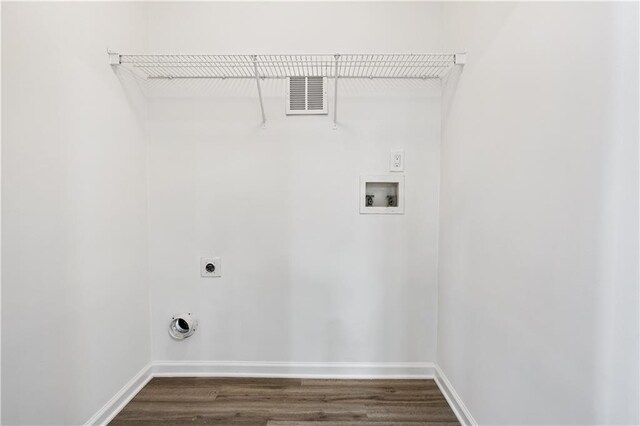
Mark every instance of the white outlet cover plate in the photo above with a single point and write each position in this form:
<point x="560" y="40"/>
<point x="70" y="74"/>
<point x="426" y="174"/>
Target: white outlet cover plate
<point x="396" y="160"/>
<point x="216" y="262"/>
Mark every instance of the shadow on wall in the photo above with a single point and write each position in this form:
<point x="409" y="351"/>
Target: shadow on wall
<point x="449" y="87"/>
<point x="200" y="88"/>
<point x="133" y="91"/>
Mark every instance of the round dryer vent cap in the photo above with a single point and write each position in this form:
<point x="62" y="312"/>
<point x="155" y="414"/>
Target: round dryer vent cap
<point x="182" y="326"/>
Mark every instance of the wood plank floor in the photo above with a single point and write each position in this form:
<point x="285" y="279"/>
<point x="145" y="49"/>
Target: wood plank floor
<point x="287" y="402"/>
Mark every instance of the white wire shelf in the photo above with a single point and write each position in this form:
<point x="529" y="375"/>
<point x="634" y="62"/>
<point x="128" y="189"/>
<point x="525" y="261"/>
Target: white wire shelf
<point x="411" y="66"/>
<point x="258" y="67"/>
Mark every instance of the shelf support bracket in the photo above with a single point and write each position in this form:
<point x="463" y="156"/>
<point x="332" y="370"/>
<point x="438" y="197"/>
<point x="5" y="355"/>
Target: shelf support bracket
<point x="114" y="58"/>
<point x="335" y="92"/>
<point x="459" y="58"/>
<point x="255" y="68"/>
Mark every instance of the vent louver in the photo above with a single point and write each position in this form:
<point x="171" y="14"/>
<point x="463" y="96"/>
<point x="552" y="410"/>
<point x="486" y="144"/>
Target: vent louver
<point x="306" y="95"/>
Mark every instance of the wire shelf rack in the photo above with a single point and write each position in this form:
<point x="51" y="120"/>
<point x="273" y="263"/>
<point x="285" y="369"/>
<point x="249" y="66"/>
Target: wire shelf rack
<point x="258" y="67"/>
<point x="412" y="66"/>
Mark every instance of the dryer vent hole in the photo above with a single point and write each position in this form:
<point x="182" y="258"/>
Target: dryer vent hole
<point x="182" y="326"/>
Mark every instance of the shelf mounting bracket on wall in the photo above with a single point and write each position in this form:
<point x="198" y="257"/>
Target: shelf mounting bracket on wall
<point x="255" y="69"/>
<point x="460" y="58"/>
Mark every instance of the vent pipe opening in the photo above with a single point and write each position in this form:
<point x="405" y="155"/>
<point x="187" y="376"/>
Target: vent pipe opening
<point x="182" y="326"/>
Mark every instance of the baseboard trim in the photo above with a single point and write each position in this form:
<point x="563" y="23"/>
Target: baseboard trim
<point x="315" y="370"/>
<point x="325" y="370"/>
<point x="455" y="402"/>
<point x="122" y="397"/>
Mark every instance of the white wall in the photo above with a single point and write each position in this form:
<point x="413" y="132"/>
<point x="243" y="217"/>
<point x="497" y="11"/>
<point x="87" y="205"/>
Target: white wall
<point x="306" y="278"/>
<point x="538" y="283"/>
<point x="75" y="300"/>
<point x="538" y="270"/>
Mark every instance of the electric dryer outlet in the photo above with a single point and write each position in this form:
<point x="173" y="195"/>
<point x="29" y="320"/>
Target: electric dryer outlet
<point x="211" y="267"/>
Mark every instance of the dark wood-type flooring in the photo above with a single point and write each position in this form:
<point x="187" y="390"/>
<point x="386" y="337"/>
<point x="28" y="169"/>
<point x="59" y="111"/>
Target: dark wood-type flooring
<point x="287" y="402"/>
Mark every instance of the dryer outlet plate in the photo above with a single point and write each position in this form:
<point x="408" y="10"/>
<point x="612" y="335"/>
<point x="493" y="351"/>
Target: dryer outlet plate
<point x="210" y="267"/>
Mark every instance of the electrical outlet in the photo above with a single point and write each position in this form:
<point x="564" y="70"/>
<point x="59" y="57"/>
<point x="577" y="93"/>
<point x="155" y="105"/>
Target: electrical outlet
<point x="210" y="267"/>
<point x="396" y="160"/>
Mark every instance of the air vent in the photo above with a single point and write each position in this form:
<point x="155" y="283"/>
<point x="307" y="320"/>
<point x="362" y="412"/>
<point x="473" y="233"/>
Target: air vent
<point x="306" y="95"/>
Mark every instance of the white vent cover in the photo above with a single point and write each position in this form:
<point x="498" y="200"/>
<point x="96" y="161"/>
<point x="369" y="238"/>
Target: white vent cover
<point x="306" y="95"/>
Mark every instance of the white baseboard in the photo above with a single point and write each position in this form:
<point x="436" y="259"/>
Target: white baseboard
<point x="455" y="402"/>
<point x="121" y="398"/>
<point x="325" y="370"/>
<point x="319" y="370"/>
